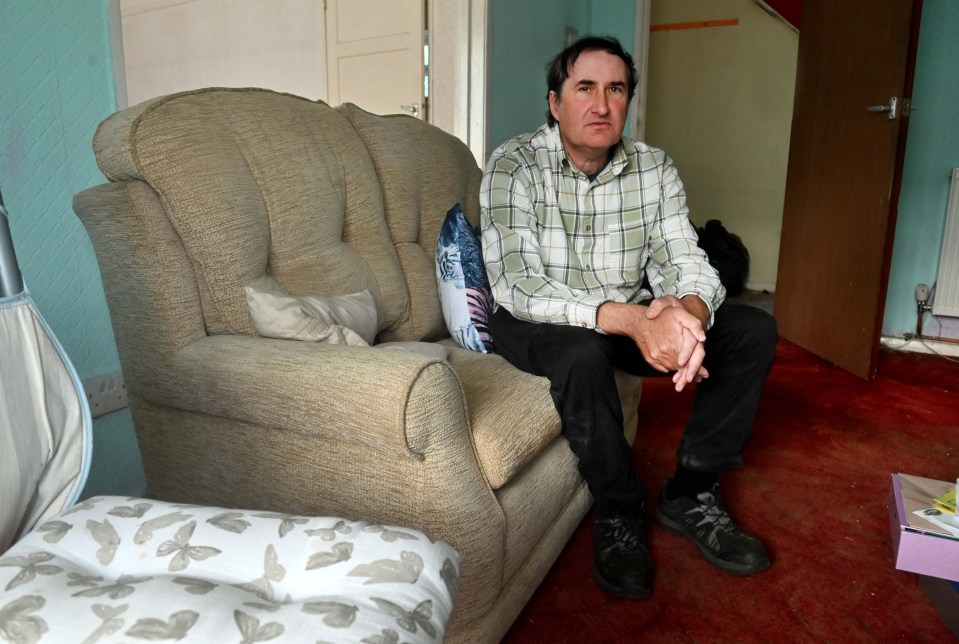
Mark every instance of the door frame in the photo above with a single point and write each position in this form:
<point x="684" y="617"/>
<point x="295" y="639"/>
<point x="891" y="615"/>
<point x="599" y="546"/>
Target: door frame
<point x="116" y="51"/>
<point x="459" y="33"/>
<point x="641" y="61"/>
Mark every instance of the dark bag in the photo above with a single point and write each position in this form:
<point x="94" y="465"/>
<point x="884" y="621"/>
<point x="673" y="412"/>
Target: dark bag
<point x="727" y="254"/>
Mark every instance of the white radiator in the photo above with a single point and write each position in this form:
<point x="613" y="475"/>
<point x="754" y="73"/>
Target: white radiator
<point x="946" y="301"/>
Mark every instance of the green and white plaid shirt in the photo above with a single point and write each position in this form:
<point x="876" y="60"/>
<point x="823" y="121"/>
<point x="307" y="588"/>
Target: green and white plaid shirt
<point x="557" y="246"/>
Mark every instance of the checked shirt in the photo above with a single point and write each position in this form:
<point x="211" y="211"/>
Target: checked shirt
<point x="557" y="245"/>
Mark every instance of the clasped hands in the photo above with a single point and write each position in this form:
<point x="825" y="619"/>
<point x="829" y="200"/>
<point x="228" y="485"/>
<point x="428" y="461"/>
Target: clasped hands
<point x="670" y="333"/>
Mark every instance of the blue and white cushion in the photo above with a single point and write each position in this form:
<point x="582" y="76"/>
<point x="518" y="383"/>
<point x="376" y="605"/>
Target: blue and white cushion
<point x="464" y="289"/>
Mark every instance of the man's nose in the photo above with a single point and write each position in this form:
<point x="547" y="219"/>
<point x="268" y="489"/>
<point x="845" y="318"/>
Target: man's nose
<point x="601" y="104"/>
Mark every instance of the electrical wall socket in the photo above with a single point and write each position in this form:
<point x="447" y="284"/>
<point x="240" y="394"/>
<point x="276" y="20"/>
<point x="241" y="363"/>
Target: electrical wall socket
<point x="922" y="293"/>
<point x="106" y="394"/>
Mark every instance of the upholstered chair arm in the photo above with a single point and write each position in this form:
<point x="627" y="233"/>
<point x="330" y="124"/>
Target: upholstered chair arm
<point x="359" y="395"/>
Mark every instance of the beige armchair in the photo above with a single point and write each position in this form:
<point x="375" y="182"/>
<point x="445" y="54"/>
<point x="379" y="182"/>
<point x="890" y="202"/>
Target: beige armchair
<point x="211" y="191"/>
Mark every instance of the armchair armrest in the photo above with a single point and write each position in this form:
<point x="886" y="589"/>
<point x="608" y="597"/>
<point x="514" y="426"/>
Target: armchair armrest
<point x="311" y="388"/>
<point x="389" y="422"/>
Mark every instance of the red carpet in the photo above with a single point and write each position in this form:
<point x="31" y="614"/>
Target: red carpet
<point x="815" y="489"/>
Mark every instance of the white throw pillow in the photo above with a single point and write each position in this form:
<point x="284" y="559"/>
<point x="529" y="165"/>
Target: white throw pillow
<point x="339" y="319"/>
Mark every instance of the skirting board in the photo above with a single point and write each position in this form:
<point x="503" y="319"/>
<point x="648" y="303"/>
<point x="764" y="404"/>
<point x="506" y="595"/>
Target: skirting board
<point x="769" y="287"/>
<point x="920" y="346"/>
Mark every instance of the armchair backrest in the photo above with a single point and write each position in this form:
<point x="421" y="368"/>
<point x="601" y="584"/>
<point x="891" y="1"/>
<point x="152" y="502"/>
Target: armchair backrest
<point x="423" y="172"/>
<point x="213" y="189"/>
<point x="254" y="182"/>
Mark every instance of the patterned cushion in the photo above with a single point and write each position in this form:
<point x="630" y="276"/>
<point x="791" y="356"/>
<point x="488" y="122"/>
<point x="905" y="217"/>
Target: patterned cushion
<point x="116" y="569"/>
<point x="464" y="289"/>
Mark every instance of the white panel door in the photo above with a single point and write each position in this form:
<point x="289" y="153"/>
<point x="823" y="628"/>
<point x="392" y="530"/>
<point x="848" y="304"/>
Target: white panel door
<point x="175" y="45"/>
<point x="375" y="54"/>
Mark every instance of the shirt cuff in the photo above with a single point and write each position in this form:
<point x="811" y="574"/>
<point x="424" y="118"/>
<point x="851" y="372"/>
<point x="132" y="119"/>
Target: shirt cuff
<point x="581" y="311"/>
<point x="707" y="301"/>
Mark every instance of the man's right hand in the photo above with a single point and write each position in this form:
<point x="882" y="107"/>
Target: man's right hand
<point x="670" y="337"/>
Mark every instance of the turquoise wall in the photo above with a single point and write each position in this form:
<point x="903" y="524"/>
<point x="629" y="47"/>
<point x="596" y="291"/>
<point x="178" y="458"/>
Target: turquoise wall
<point x="616" y="19"/>
<point x="56" y="85"/>
<point x="932" y="150"/>
<point x="524" y="37"/>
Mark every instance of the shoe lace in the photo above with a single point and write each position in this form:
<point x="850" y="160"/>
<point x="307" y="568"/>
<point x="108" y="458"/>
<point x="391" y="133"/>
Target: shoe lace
<point x="626" y="531"/>
<point x="713" y="513"/>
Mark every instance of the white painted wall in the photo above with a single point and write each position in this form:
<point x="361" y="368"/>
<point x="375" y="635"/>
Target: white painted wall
<point x="720" y="102"/>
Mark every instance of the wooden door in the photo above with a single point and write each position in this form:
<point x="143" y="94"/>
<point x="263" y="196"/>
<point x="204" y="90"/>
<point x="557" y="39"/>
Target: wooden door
<point x="375" y="55"/>
<point x="842" y="184"/>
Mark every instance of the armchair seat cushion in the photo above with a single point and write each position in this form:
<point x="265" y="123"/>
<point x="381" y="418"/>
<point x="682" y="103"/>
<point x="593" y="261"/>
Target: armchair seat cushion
<point x="119" y="569"/>
<point x="512" y="413"/>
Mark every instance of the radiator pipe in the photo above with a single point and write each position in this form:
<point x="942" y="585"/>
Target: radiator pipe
<point x="922" y="308"/>
<point x="935" y="339"/>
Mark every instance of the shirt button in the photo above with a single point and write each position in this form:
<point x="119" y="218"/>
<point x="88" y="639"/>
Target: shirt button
<point x="588" y="267"/>
<point x="582" y="324"/>
<point x="588" y="228"/>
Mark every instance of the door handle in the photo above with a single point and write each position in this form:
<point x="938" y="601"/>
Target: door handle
<point x="412" y="108"/>
<point x="889" y="108"/>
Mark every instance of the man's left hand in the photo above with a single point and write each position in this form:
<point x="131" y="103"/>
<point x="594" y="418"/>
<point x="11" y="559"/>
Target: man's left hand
<point x="693" y="352"/>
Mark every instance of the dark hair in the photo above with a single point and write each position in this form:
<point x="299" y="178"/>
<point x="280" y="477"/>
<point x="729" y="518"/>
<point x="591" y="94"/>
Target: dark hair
<point x="558" y="69"/>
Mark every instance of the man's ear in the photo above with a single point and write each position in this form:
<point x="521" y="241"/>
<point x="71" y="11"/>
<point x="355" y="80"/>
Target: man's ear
<point x="554" y="104"/>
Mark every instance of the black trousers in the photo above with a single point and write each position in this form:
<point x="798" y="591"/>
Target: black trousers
<point x="579" y="364"/>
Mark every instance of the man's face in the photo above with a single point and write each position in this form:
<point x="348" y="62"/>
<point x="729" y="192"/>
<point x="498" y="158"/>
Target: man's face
<point x="592" y="107"/>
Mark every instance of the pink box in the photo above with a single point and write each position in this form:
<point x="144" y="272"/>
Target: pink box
<point x="919" y="545"/>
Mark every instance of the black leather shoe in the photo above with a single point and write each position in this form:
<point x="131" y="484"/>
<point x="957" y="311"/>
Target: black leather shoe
<point x="621" y="563"/>
<point x="705" y="521"/>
